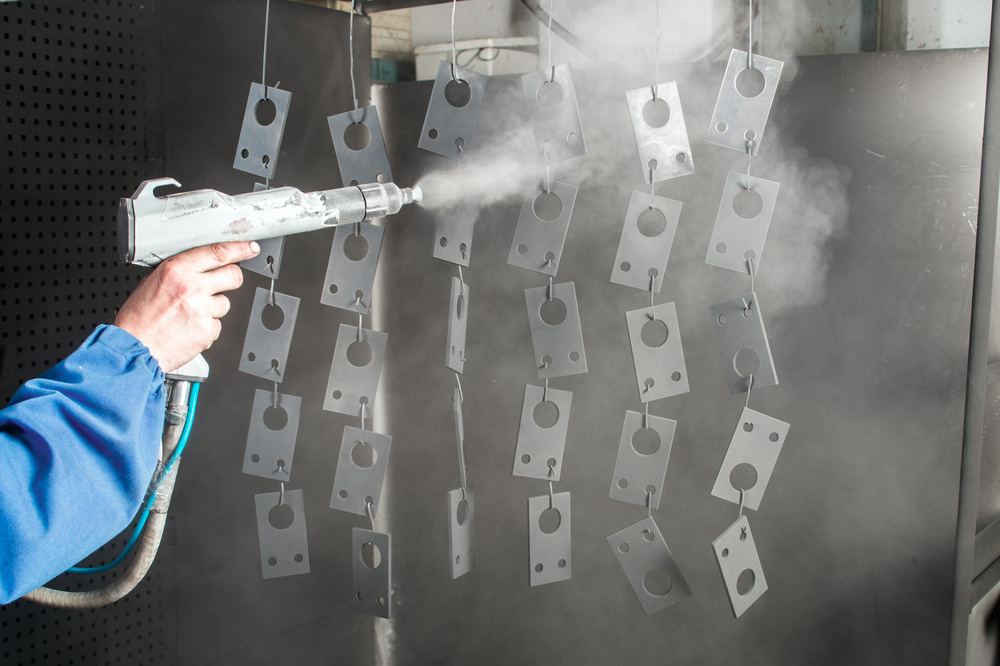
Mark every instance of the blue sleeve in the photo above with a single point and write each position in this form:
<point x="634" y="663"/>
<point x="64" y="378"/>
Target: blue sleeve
<point x="78" y="447"/>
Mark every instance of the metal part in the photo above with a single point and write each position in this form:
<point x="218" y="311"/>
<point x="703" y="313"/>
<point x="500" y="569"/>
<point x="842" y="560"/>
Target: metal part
<point x="541" y="439"/>
<point x="643" y="455"/>
<point x="743" y="345"/>
<point x="281" y="529"/>
<point x="269" y="335"/>
<point x="664" y="151"/>
<point x="350" y="272"/>
<point x="737" y="239"/>
<point x="550" y="552"/>
<point x="364" y="456"/>
<point x="369" y="164"/>
<point x="739" y="564"/>
<point x="453" y="238"/>
<point x="268" y="261"/>
<point x="650" y="567"/>
<point x="538" y="241"/>
<point x="558" y="345"/>
<point x="260" y="142"/>
<point x="553" y="111"/>
<point x="453" y="111"/>
<point x="350" y="386"/>
<point x="757" y="441"/>
<point x="458" y="313"/>
<point x="461" y="530"/>
<point x="372" y="579"/>
<point x="647" y="237"/>
<point x="657" y="354"/>
<point x="274" y="424"/>
<point x="738" y="120"/>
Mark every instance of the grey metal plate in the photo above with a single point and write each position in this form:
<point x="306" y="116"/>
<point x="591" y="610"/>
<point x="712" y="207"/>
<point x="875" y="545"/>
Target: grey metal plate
<point x="757" y="441"/>
<point x="447" y="128"/>
<point x="557" y="126"/>
<point x="372" y="584"/>
<point x="266" y="350"/>
<point x="736" y="239"/>
<point x="664" y="152"/>
<point x="645" y="558"/>
<point x="453" y="238"/>
<point x="458" y="318"/>
<point x="461" y="535"/>
<point x="643" y="257"/>
<point x="657" y="354"/>
<point x="349" y="385"/>
<point x="736" y="118"/>
<point x="371" y="163"/>
<point x="739" y="332"/>
<point x="551" y="554"/>
<point x="355" y="486"/>
<point x="259" y="145"/>
<point x="268" y="262"/>
<point x="269" y="451"/>
<point x="640" y="472"/>
<point x="284" y="548"/>
<point x="558" y="346"/>
<point x="538" y="243"/>
<point x="350" y="272"/>
<point x="736" y="553"/>
<point x="539" y="453"/>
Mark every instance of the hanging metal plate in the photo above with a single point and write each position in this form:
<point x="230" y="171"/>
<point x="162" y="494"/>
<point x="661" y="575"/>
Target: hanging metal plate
<point x="662" y="139"/>
<point x="268" y="262"/>
<point x="756" y="442"/>
<point x="739" y="563"/>
<point x="737" y="239"/>
<point x="555" y="117"/>
<point x="551" y="553"/>
<point x="372" y="572"/>
<point x="558" y="345"/>
<point x="281" y="529"/>
<point x="738" y="119"/>
<point x="274" y="424"/>
<point x="649" y="566"/>
<point x="350" y="272"/>
<point x="269" y="335"/>
<point x="370" y="163"/>
<point x="657" y="353"/>
<point x="541" y="439"/>
<point x="453" y="111"/>
<point x="542" y="226"/>
<point x="461" y="530"/>
<point x="743" y="345"/>
<point x="647" y="236"/>
<point x="350" y="385"/>
<point x="641" y="465"/>
<point x="458" y="314"/>
<point x="453" y="238"/>
<point x="361" y="467"/>
<point x="257" y="151"/>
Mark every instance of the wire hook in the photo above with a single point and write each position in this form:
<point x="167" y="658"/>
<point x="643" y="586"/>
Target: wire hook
<point x="461" y="394"/>
<point x="741" y="502"/>
<point x="461" y="280"/>
<point x="274" y="396"/>
<point x="752" y="271"/>
<point x="649" y="503"/>
<point x="746" y="405"/>
<point x="368" y="508"/>
<point x="281" y="495"/>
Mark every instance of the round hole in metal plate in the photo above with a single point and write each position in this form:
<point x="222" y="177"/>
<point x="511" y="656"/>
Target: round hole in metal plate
<point x="337" y="395"/>
<point x="574" y="356"/>
<point x="266" y="160"/>
<point x="272" y="561"/>
<point x="545" y="414"/>
<point x="458" y="93"/>
<point x="747" y="204"/>
<point x="264" y="112"/>
<point x="462" y="513"/>
<point x="460" y="143"/>
<point x="746" y="362"/>
<point x="745" y="583"/>
<point x="359" y="353"/>
<point x="656" y="113"/>
<point x="334" y="289"/>
<point x="747" y="426"/>
<point x="538" y="568"/>
<point x="623" y="547"/>
<point x="432" y="134"/>
<point x="272" y="317"/>
<point x="657" y="583"/>
<point x="357" y="136"/>
<point x="648" y="535"/>
<point x="281" y="516"/>
<point x="625" y="267"/>
<point x="371" y="556"/>
<point x="681" y="158"/>
<point x="275" y="418"/>
<point x="645" y="441"/>
<point x="743" y="477"/>
<point x="654" y="333"/>
<point x="651" y="222"/>
<point x="750" y="82"/>
<point x="364" y="455"/>
<point x="255" y="458"/>
<point x="443" y="242"/>
<point x="721" y="128"/>
<point x="244" y="153"/>
<point x="522" y="249"/>
<point x="623" y="483"/>
<point x="549" y="521"/>
<point x="343" y="494"/>
<point x="355" y="247"/>
<point x="549" y="95"/>
<point x="725" y="552"/>
<point x="552" y="311"/>
<point x="525" y="459"/>
<point x="459" y="306"/>
<point x="561" y="564"/>
<point x="547" y="206"/>
<point x="774" y="437"/>
<point x="675" y="377"/>
<point x="298" y="557"/>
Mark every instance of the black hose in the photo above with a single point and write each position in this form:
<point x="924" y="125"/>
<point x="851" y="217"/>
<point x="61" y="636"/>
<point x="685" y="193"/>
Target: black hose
<point x="561" y="30"/>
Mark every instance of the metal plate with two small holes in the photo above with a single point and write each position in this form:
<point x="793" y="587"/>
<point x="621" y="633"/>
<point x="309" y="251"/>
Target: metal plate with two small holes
<point x="551" y="554"/>
<point x="369" y="164"/>
<point x="757" y="441"/>
<point x="350" y="272"/>
<point x="641" y="465"/>
<point x="743" y="345"/>
<point x="364" y="456"/>
<point x="458" y="317"/>
<point x="372" y="584"/>
<point x="558" y="345"/>
<point x="269" y="450"/>
<point x="539" y="445"/>
<point x="555" y="117"/>
<point x="257" y="151"/>
<point x="664" y="149"/>
<point x="349" y="385"/>
<point x="736" y="554"/>
<point x="284" y="548"/>
<point x="647" y="236"/>
<point x="453" y="238"/>
<point x="657" y="354"/>
<point x="265" y="350"/>
<point x="737" y="239"/>
<point x="449" y="128"/>
<point x="542" y="226"/>
<point x="738" y="119"/>
<point x="461" y="535"/>
<point x="645" y="558"/>
<point x="268" y="261"/>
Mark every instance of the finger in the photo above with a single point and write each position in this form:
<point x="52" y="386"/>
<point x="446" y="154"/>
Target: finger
<point x="221" y="279"/>
<point x="219" y="306"/>
<point x="210" y="257"/>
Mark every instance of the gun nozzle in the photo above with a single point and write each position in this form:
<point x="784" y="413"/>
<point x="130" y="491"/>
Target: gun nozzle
<point x="416" y="194"/>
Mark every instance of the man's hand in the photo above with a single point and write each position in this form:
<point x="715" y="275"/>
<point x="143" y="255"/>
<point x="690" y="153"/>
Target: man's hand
<point x="175" y="311"/>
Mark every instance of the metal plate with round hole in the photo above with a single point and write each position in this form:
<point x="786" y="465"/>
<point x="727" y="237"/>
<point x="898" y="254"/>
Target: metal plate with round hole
<point x="657" y="353"/>
<point x="650" y="567"/>
<point x="461" y="530"/>
<point x="355" y="371"/>
<point x="542" y="227"/>
<point x="643" y="455"/>
<point x="453" y="237"/>
<point x="647" y="236"/>
<point x="263" y="127"/>
<point x="269" y="335"/>
<point x="756" y="442"/>
<point x="742" y="222"/>
<point x="554" y="114"/>
<point x="736" y="555"/>
<point x="453" y="112"/>
<point x="541" y="438"/>
<point x="743" y="345"/>
<point x="350" y="272"/>
<point x="458" y="320"/>
<point x="550" y="543"/>
<point x="742" y="108"/>
<point x="281" y="530"/>
<point x="364" y="456"/>
<point x="360" y="147"/>
<point x="661" y="137"/>
<point x="274" y="424"/>
<point x="556" y="332"/>
<point x="372" y="572"/>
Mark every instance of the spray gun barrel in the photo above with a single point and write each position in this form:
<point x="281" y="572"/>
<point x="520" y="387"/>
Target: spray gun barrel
<point x="151" y="228"/>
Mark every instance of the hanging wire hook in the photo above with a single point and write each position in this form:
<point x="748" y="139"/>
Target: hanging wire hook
<point x="354" y="89"/>
<point x="368" y="508"/>
<point x="752" y="271"/>
<point x="750" y="145"/>
<point x="271" y="295"/>
<point x="551" y="498"/>
<point x="551" y="293"/>
<point x="263" y="68"/>
<point x="545" y="391"/>
<point x="741" y="502"/>
<point x="281" y="494"/>
<point x="454" y="56"/>
<point x="649" y="503"/>
<point x="746" y="405"/>
<point x="461" y="393"/>
<point x="656" y="57"/>
<point x="652" y="287"/>
<point x="274" y="396"/>
<point x="461" y="280"/>
<point x="363" y="416"/>
<point x="552" y="76"/>
<point x="749" y="34"/>
<point x="360" y="319"/>
<point x="645" y="415"/>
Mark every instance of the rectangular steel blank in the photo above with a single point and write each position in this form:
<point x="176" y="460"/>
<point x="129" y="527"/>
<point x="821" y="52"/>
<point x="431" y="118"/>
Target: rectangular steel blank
<point x="740" y="334"/>
<point x="269" y="452"/>
<point x="736" y="554"/>
<point x="350" y="274"/>
<point x="349" y="385"/>
<point x="538" y="243"/>
<point x="370" y="164"/>
<point x="738" y="119"/>
<point x="660" y="371"/>
<point x="458" y="312"/>
<point x="453" y="238"/>
<point x="449" y="127"/>
<point x="284" y="549"/>
<point x="540" y="449"/>
<point x="555" y="117"/>
<point x="461" y="533"/>
<point x="355" y="486"/>
<point x="265" y="350"/>
<point x="736" y="239"/>
<point x="551" y="554"/>
<point x="644" y="556"/>
<point x="559" y="346"/>
<point x="372" y="584"/>
<point x="643" y="258"/>
<point x="664" y="152"/>
<point x="757" y="441"/>
<point x="259" y="145"/>
<point x="639" y="475"/>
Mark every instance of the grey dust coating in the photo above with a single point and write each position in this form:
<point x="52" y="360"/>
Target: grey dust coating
<point x="281" y="529"/>
<point x="655" y="337"/>
<point x="365" y="160"/>
<point x="458" y="318"/>
<point x="263" y="127"/>
<point x="742" y="222"/>
<point x="739" y="563"/>
<point x="269" y="335"/>
<point x="660" y="133"/>
<point x="372" y="572"/>
<point x="647" y="236"/>
<point x="461" y="530"/>
<point x="453" y="238"/>
<point x="350" y="272"/>
<point x="556" y="332"/>
<point x="550" y="552"/>
<point x="756" y="442"/>
<point x="643" y="455"/>
<point x="651" y="570"/>
<point x="453" y="111"/>
<point x="738" y="119"/>
<point x="274" y="425"/>
<point x="554" y="114"/>
<point x="541" y="438"/>
<point x="268" y="262"/>
<point x="364" y="456"/>
<point x="356" y="369"/>
<point x="743" y="345"/>
<point x="542" y="226"/>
